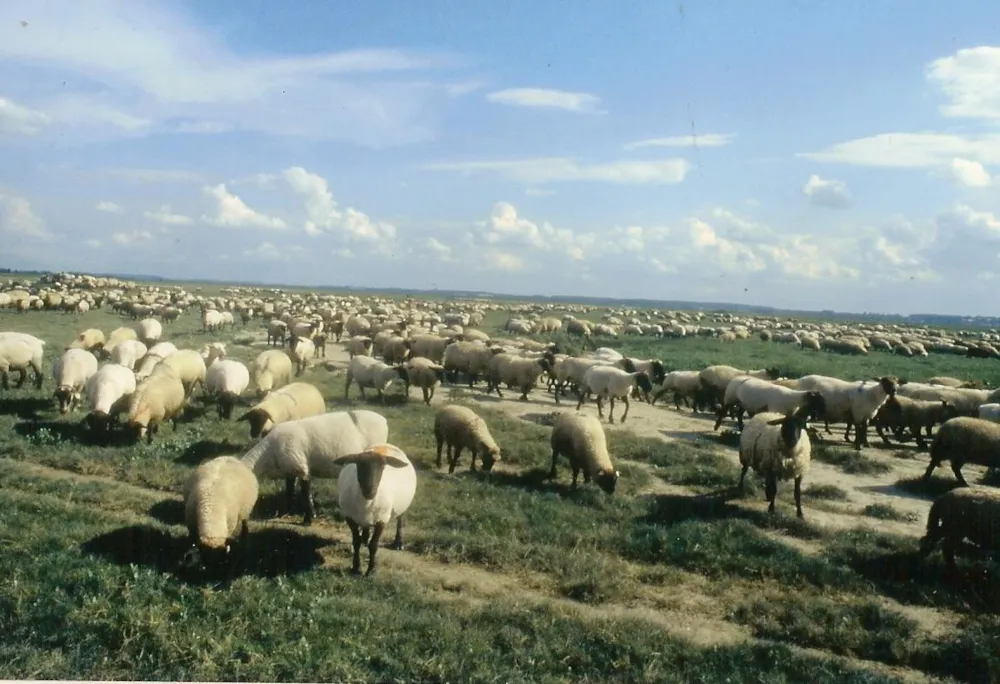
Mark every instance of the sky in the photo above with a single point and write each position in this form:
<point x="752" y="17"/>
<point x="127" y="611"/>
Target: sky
<point x="804" y="154"/>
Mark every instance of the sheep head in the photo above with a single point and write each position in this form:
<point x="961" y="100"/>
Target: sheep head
<point x="607" y="479"/>
<point x="889" y="384"/>
<point x="370" y="464"/>
<point x="792" y="426"/>
<point x="260" y="422"/>
<point x="64" y="395"/>
<point x="644" y="383"/>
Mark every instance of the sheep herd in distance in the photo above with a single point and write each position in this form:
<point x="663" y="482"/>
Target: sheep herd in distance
<point x="382" y="396"/>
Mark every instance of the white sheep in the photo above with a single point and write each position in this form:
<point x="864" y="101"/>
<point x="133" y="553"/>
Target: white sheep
<point x="520" y="372"/>
<point x="359" y="346"/>
<point x="306" y="448"/>
<point x="71" y="372"/>
<point x="715" y="379"/>
<point x="371" y="373"/>
<point x="370" y="495"/>
<point x="776" y="446"/>
<point x="291" y="402"/>
<point x="128" y="352"/>
<point x="117" y="335"/>
<point x="581" y="439"/>
<point x="218" y="499"/>
<point x="685" y="384"/>
<point x="303" y="350"/>
<point x="159" y="397"/>
<point x="609" y="382"/>
<point x="108" y="393"/>
<point x="271" y="369"/>
<point x="459" y="427"/>
<point x="18" y="352"/>
<point x="187" y="365"/>
<point x="990" y="412"/>
<point x="854" y="403"/>
<point x="757" y="396"/>
<point x="425" y="374"/>
<point x="225" y="381"/>
<point x="148" y="331"/>
<point x="154" y="355"/>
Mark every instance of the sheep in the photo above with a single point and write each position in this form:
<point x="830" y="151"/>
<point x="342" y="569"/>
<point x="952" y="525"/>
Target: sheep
<point x="651" y="367"/>
<point x="776" y="446"/>
<point x="225" y="381"/>
<point x="426" y="375"/>
<point x="855" y="403"/>
<point x="71" y="372"/>
<point x="916" y="414"/>
<point x="990" y="412"/>
<point x="757" y="396"/>
<point x="516" y="371"/>
<point x="371" y="373"/>
<point x="395" y="350"/>
<point x="459" y="427"/>
<point x="946" y="381"/>
<point x="684" y="384"/>
<point x="108" y="393"/>
<point x="582" y="441"/>
<point x="965" y="440"/>
<point x="187" y="365"/>
<point x="18" y="352"/>
<point x="159" y="397"/>
<point x="149" y="331"/>
<point x="292" y="402"/>
<point x="471" y="358"/>
<point x="971" y="513"/>
<point x="117" y="335"/>
<point x="370" y="495"/>
<point x="359" y="346"/>
<point x="307" y="447"/>
<point x="128" y="352"/>
<point x="271" y="369"/>
<point x="319" y="342"/>
<point x="570" y="371"/>
<point x="303" y="350"/>
<point x="966" y="401"/>
<point x="91" y="339"/>
<point x="154" y="355"/>
<point x="715" y="379"/>
<point x="218" y="499"/>
<point x="212" y="352"/>
<point x="612" y="383"/>
<point x="276" y="330"/>
<point x="429" y="346"/>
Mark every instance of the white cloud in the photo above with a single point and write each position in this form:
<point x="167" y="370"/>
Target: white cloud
<point x="109" y="207"/>
<point x="702" y="140"/>
<point x="559" y="169"/>
<point x="911" y="150"/>
<point x="727" y="254"/>
<point x="18" y="120"/>
<point x="232" y="212"/>
<point x="166" y="217"/>
<point x="261" y="180"/>
<point x="438" y="249"/>
<point x="324" y="216"/>
<point x="506" y="227"/>
<point x="18" y="218"/>
<point x="970" y="79"/>
<point x="827" y="193"/>
<point x="156" y="175"/>
<point x="268" y="251"/>
<point x="505" y="261"/>
<point x="543" y="98"/>
<point x="969" y="173"/>
<point x="136" y="236"/>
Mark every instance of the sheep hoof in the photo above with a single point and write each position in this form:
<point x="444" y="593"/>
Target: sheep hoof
<point x="356" y="572"/>
<point x="397" y="546"/>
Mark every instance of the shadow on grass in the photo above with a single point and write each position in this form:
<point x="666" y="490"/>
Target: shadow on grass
<point x="268" y="552"/>
<point x="671" y="509"/>
<point x="537" y="480"/>
<point x="27" y="408"/>
<point x="51" y="432"/>
<point x="932" y="488"/>
<point x="205" y="449"/>
<point x="168" y="511"/>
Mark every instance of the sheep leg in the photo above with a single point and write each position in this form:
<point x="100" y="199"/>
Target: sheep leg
<point x="524" y="392"/>
<point x="847" y="432"/>
<point x="307" y="502"/>
<point x="38" y="376"/>
<point x="22" y="376"/>
<point x="719" y="416"/>
<point x="798" y="497"/>
<point x="373" y="547"/>
<point x="356" y="543"/>
<point x="289" y="494"/>
<point x="381" y="397"/>
<point x="611" y="413"/>
<point x="454" y="458"/>
<point x="770" y="490"/>
<point x="6" y="380"/>
<point x="930" y="469"/>
<point x="552" y="472"/>
<point x="440" y="445"/>
<point x="397" y="543"/>
<point x="881" y="433"/>
<point x="956" y="467"/>
<point x="428" y="394"/>
<point x="743" y="476"/>
<point x="472" y="464"/>
<point x="576" y="474"/>
<point x="580" y="403"/>
<point x="347" y="386"/>
<point x="625" y="399"/>
<point x="826" y="424"/>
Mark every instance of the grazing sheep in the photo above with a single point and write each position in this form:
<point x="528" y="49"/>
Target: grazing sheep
<point x="108" y="393"/>
<point x="426" y="375"/>
<point x="218" y="499"/>
<point x="291" y="402"/>
<point x="581" y="439"/>
<point x="212" y="352"/>
<point x="91" y="339"/>
<point x="965" y="440"/>
<point x="128" y="352"/>
<point x="371" y="373"/>
<point x="757" y="396"/>
<point x="916" y="414"/>
<point x="308" y="447"/>
<point x="187" y="365"/>
<point x="611" y="383"/>
<point x="117" y="335"/>
<point x="225" y="381"/>
<point x="154" y="355"/>
<point x="148" y="331"/>
<point x="303" y="350"/>
<point x="776" y="446"/>
<point x="971" y="513"/>
<point x="271" y="369"/>
<point x="71" y="372"/>
<point x="370" y="495"/>
<point x="359" y="346"/>
<point x="18" y="352"/>
<point x="459" y="427"/>
<point x="159" y="397"/>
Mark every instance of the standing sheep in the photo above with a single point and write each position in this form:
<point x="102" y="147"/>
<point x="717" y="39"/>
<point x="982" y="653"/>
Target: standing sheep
<point x="971" y="513"/>
<point x="459" y="427"/>
<point x="581" y="439"/>
<point x="271" y="369"/>
<point x="218" y="499"/>
<point x="370" y="495"/>
<point x="158" y="398"/>
<point x="371" y="373"/>
<point x="109" y="391"/>
<point x="776" y="446"/>
<point x="71" y="372"/>
<point x="965" y="440"/>
<point x="128" y="352"/>
<point x="18" y="352"/>
<point x="611" y="383"/>
<point x="303" y="350"/>
<point x="426" y="375"/>
<point x="225" y="381"/>
<point x="291" y="402"/>
<point x="149" y="331"/>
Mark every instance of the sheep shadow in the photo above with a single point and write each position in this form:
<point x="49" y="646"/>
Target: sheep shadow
<point x="268" y="552"/>
<point x="896" y="491"/>
<point x="26" y="408"/>
<point x="205" y="449"/>
<point x="543" y="419"/>
<point x="168" y="512"/>
<point x="536" y="480"/>
<point x="273" y="505"/>
<point x="926" y="489"/>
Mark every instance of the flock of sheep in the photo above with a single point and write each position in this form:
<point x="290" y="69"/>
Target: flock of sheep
<point x="149" y="381"/>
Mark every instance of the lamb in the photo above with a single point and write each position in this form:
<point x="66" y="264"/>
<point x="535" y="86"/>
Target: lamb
<point x="91" y="339"/>
<point x="303" y="350"/>
<point x="516" y="371"/>
<point x="291" y="402"/>
<point x="971" y="513"/>
<point x="426" y="375"/>
<point x="715" y="379"/>
<point x="218" y="498"/>
<point x="776" y="446"/>
<point x="916" y="414"/>
<point x="370" y="495"/>
<point x="611" y="383"/>
<point x="154" y="355"/>
<point x="71" y="372"/>
<point x="308" y="447"/>
<point x="965" y="440"/>
<point x="855" y="403"/>
<point x="159" y="397"/>
<point x="459" y="427"/>
<point x="128" y="352"/>
<point x="581" y="439"/>
<point x="108" y="393"/>
<point x="371" y="373"/>
<point x="149" y="331"/>
<point x="187" y="365"/>
<point x="757" y="396"/>
<point x="271" y="369"/>
<point x="225" y="381"/>
<point x="359" y="346"/>
<point x="18" y="352"/>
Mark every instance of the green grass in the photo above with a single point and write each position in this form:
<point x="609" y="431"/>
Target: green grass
<point x="887" y="512"/>
<point x="92" y="587"/>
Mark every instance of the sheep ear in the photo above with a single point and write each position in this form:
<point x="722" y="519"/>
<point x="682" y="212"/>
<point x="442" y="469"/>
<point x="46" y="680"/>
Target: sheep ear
<point x="245" y="416"/>
<point x="395" y="462"/>
<point x="776" y="421"/>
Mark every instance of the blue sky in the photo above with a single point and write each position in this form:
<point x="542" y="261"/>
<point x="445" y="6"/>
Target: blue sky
<point x="799" y="154"/>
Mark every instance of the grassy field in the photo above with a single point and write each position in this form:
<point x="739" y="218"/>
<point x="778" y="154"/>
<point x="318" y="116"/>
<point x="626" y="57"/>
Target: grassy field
<point x="507" y="577"/>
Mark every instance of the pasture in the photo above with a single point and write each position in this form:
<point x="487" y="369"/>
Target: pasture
<point x="506" y="576"/>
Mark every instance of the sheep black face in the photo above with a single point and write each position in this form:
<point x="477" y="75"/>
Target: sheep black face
<point x="889" y="384"/>
<point x="440" y="374"/>
<point x="370" y="465"/>
<point x="628" y="365"/>
<point x="815" y="405"/>
<point x="607" y="481"/>
<point x="488" y="458"/>
<point x="64" y="395"/>
<point x="642" y="380"/>
<point x="774" y="372"/>
<point x="659" y="372"/>
<point x="791" y="429"/>
<point x="257" y="420"/>
<point x="403" y="374"/>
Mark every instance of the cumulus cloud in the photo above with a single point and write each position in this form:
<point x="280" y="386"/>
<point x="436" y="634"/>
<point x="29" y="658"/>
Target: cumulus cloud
<point x="543" y="98"/>
<point x="970" y="79"/>
<point x="561" y="169"/>
<point x="166" y="217"/>
<point x="438" y="249"/>
<point x="827" y="193"/>
<point x="109" y="207"/>
<point x="19" y="219"/>
<point x="134" y="237"/>
<point x="702" y="140"/>
<point x="505" y="227"/>
<point x="268" y="251"/>
<point x="232" y="212"/>
<point x="141" y="67"/>
<point x="969" y="173"/>
<point x="505" y="261"/>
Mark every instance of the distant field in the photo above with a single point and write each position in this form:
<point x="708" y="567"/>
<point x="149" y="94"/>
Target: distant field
<point x="506" y="578"/>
